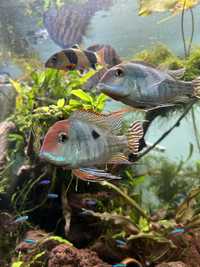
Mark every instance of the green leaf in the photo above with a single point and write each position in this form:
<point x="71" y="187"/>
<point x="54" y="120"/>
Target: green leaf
<point x="73" y="102"/>
<point x="17" y="264"/>
<point x="17" y="86"/>
<point x="143" y="224"/>
<point x="82" y="95"/>
<point x="61" y="103"/>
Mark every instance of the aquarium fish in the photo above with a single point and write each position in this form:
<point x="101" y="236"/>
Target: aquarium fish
<point x="142" y="86"/>
<point x="107" y="53"/>
<point x="45" y="182"/>
<point x="30" y="241"/>
<point x="21" y="219"/>
<point x="52" y="195"/>
<point x="178" y="231"/>
<point x="109" y="57"/>
<point x="88" y="139"/>
<point x="74" y="59"/>
<point x="68" y="24"/>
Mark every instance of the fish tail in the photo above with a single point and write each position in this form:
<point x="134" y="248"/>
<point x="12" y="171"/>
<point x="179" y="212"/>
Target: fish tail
<point x="196" y="87"/>
<point x="135" y="133"/>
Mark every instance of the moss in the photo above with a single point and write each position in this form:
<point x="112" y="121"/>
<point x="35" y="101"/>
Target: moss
<point x="156" y="55"/>
<point x="161" y="56"/>
<point x="193" y="65"/>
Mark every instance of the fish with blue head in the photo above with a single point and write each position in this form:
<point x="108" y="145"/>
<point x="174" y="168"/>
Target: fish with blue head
<point x="88" y="139"/>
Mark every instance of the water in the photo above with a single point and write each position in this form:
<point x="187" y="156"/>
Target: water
<point x="42" y="206"/>
<point x="119" y="26"/>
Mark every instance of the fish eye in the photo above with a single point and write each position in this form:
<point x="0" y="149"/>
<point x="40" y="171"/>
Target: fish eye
<point x="62" y="138"/>
<point x="119" y="73"/>
<point x="95" y="135"/>
<point x="54" y="59"/>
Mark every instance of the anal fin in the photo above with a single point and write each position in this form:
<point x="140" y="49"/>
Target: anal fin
<point x="94" y="175"/>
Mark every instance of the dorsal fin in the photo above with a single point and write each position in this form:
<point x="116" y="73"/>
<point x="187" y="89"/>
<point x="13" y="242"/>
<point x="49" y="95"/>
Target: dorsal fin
<point x="76" y="46"/>
<point x="111" y="122"/>
<point x="135" y="133"/>
<point x="143" y="63"/>
<point x="177" y="74"/>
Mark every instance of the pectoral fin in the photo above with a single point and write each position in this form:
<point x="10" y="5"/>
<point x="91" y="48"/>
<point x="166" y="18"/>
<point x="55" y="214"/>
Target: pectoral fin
<point x="177" y="74"/>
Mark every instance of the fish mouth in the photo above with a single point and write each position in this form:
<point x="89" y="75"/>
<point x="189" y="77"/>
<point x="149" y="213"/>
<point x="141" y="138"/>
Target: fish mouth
<point x="112" y="91"/>
<point x="53" y="159"/>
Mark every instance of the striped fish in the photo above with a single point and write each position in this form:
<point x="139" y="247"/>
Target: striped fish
<point x="74" y="58"/>
<point x="68" y="24"/>
<point x="109" y="57"/>
<point x="88" y="139"/>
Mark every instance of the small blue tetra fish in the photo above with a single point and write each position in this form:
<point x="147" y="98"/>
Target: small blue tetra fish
<point x="177" y="231"/>
<point x="119" y="265"/>
<point x="45" y="182"/>
<point x="51" y="195"/>
<point x="30" y="241"/>
<point x="21" y="219"/>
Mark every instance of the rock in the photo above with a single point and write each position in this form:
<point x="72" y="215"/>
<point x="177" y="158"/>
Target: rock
<point x="172" y="264"/>
<point x="35" y="235"/>
<point x="5" y="129"/>
<point x="67" y="256"/>
<point x="7" y="97"/>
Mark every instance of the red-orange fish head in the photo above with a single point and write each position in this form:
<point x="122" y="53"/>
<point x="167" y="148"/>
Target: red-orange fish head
<point x="53" y="146"/>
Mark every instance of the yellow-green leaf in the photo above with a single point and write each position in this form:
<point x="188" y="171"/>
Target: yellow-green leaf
<point x="17" y="264"/>
<point x="17" y="86"/>
<point x="82" y="95"/>
<point x="61" y="103"/>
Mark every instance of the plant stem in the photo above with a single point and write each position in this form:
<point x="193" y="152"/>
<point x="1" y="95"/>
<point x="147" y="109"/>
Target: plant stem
<point x="192" y="32"/>
<point x="132" y="202"/>
<point x="182" y="28"/>
<point x="176" y="124"/>
<point x="195" y="129"/>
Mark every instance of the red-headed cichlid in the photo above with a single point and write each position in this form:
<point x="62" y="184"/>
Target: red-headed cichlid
<point x="88" y="139"/>
<point x="143" y="86"/>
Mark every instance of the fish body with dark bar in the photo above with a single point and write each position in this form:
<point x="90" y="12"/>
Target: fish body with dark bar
<point x="68" y="25"/>
<point x="73" y="58"/>
<point x="143" y="86"/>
<point x="79" y="59"/>
<point x="88" y="139"/>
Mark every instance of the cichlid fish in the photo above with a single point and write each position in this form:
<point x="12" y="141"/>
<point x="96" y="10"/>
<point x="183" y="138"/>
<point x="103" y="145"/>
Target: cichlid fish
<point x="68" y="24"/>
<point x="88" y="139"/>
<point x="142" y="86"/>
<point x="74" y="59"/>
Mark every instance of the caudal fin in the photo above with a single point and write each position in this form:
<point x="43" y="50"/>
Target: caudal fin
<point x="135" y="133"/>
<point x="196" y="87"/>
